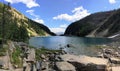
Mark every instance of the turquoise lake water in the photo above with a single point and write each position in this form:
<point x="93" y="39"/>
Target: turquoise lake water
<point x="79" y="45"/>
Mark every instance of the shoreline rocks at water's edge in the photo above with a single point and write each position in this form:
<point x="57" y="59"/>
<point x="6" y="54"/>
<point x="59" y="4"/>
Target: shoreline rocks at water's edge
<point x="108" y="59"/>
<point x="109" y="55"/>
<point x="62" y="61"/>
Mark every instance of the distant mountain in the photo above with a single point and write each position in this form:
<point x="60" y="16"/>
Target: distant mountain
<point x="17" y="26"/>
<point x="101" y="24"/>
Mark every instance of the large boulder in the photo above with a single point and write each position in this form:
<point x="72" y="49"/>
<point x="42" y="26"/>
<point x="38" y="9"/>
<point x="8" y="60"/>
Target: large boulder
<point x="86" y="63"/>
<point x="117" y="68"/>
<point x="64" y="66"/>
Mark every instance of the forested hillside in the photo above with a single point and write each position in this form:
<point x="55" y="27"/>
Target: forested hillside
<point x="101" y="24"/>
<point x="16" y="26"/>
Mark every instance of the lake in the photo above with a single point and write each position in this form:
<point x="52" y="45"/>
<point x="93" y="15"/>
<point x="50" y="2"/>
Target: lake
<point x="79" y="45"/>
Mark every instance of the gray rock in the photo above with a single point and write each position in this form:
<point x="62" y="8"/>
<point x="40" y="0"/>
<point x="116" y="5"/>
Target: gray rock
<point x="31" y="55"/>
<point x="119" y="47"/>
<point x="86" y="63"/>
<point x="117" y="54"/>
<point x="22" y="44"/>
<point x="106" y="55"/>
<point x="115" y="60"/>
<point x="44" y="66"/>
<point x="43" y="56"/>
<point x="65" y="66"/>
<point x="109" y="51"/>
<point x="63" y="52"/>
<point x="100" y="55"/>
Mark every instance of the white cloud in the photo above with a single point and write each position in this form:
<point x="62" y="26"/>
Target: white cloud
<point x="63" y="25"/>
<point x="112" y="1"/>
<point x="77" y="14"/>
<point x="59" y="30"/>
<point x="28" y="3"/>
<point x="31" y="12"/>
<point x="37" y="19"/>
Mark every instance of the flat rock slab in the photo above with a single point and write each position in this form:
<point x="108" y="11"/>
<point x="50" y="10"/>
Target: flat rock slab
<point x="84" y="59"/>
<point x="65" y="66"/>
<point x="116" y="68"/>
<point x="86" y="63"/>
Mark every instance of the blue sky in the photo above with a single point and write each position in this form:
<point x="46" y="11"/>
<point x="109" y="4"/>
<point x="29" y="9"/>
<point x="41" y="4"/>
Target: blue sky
<point x="58" y="14"/>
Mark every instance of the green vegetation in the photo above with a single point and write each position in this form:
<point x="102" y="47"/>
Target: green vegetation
<point x="0" y="41"/>
<point x="16" y="59"/>
<point x="39" y="28"/>
<point x="17" y="33"/>
<point x="112" y="24"/>
<point x="83" y="29"/>
<point x="3" y="50"/>
<point x="17" y="27"/>
<point x="44" y="51"/>
<point x="31" y="46"/>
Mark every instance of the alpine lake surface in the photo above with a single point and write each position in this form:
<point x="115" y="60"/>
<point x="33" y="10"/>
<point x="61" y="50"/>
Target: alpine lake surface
<point x="71" y="44"/>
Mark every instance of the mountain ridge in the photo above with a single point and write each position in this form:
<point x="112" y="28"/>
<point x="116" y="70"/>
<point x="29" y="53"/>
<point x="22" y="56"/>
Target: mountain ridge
<point x="101" y="24"/>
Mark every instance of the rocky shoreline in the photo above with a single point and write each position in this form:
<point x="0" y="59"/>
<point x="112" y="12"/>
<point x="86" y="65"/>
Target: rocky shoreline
<point x="107" y="59"/>
<point x="33" y="59"/>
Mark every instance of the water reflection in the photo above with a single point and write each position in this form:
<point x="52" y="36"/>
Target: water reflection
<point x="82" y="45"/>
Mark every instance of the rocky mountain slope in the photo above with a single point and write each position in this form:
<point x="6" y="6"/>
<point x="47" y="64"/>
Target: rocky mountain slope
<point x="101" y="24"/>
<point x="17" y="25"/>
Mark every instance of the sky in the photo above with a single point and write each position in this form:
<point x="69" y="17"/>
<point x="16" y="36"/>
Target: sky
<point x="58" y="14"/>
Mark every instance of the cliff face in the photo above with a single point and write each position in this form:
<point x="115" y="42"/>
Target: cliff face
<point x="102" y="24"/>
<point x="18" y="24"/>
